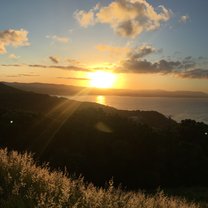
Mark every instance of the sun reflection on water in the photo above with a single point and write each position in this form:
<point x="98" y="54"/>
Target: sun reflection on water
<point x="101" y="99"/>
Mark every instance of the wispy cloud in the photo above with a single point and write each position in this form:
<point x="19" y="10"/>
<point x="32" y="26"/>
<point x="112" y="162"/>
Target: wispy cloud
<point x="128" y="18"/>
<point x="137" y="60"/>
<point x="195" y="74"/>
<point x="13" y="56"/>
<point x="60" y="39"/>
<point x="184" y="19"/>
<point x="11" y="65"/>
<point x="74" y="78"/>
<point x="54" y="59"/>
<point x="24" y="75"/>
<point x="72" y="61"/>
<point x="29" y="75"/>
<point x="14" y="38"/>
<point x="114" y="51"/>
<point x="41" y="66"/>
<point x="12" y="76"/>
<point x="69" y="67"/>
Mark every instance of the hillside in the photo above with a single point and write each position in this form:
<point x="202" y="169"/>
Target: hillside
<point x="24" y="184"/>
<point x="5" y="89"/>
<point x="42" y="103"/>
<point x="67" y="90"/>
<point x="138" y="149"/>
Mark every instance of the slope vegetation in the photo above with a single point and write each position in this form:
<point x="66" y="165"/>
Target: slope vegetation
<point x="24" y="184"/>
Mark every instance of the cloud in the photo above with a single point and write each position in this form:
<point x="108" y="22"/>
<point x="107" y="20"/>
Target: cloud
<point x="29" y="75"/>
<point x="24" y="75"/>
<point x="128" y="18"/>
<point x="195" y="74"/>
<point x="202" y="58"/>
<point x="178" y="68"/>
<point x="11" y="65"/>
<point x="142" y="51"/>
<point x="14" y="38"/>
<point x="13" y="56"/>
<point x="77" y="67"/>
<point x="135" y="62"/>
<point x="54" y="59"/>
<point x="69" y="67"/>
<point x="60" y="39"/>
<point x="12" y="76"/>
<point x="113" y="50"/>
<point x="184" y="19"/>
<point x="188" y="62"/>
<point x="69" y="61"/>
<point x="134" y="53"/>
<point x="74" y="78"/>
<point x="147" y="67"/>
<point x="85" y="18"/>
<point x="72" y="61"/>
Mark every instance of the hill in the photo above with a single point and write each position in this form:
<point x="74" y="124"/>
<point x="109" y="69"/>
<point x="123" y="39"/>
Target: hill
<point x="67" y="90"/>
<point x="138" y="149"/>
<point x="5" y="89"/>
<point x="42" y="103"/>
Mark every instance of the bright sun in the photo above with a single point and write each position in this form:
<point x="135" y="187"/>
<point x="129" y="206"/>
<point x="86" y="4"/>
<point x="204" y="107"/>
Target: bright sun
<point x="102" y="79"/>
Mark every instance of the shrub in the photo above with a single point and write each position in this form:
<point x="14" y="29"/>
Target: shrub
<point x="24" y="184"/>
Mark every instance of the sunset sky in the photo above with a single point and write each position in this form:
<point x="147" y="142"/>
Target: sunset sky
<point x="146" y="44"/>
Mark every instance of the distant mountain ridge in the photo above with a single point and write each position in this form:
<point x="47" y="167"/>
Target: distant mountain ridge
<point x="8" y="89"/>
<point x="69" y="90"/>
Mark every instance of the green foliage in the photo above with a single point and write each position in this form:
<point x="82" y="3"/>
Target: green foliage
<point x="23" y="184"/>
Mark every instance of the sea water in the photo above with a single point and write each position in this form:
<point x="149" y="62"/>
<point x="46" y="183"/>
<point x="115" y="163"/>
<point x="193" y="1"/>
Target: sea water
<point x="177" y="108"/>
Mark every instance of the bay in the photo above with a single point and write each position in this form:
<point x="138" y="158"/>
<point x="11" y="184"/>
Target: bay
<point x="177" y="108"/>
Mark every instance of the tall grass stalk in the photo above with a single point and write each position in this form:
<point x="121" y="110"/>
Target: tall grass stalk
<point x="23" y="184"/>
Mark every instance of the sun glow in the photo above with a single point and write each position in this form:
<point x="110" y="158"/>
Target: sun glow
<point x="102" y="79"/>
<point x="100" y="99"/>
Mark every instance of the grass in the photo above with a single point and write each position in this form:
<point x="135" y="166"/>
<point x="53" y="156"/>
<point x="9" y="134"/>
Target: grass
<point x="23" y="184"/>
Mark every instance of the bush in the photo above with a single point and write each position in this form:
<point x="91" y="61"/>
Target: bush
<point x="24" y="184"/>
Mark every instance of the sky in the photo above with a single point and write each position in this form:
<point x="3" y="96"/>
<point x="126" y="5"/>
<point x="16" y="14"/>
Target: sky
<point x="147" y="44"/>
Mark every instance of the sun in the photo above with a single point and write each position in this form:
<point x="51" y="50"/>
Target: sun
<point x="102" y="79"/>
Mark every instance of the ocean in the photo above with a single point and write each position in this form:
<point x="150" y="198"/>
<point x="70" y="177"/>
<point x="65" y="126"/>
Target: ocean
<point x="177" y="108"/>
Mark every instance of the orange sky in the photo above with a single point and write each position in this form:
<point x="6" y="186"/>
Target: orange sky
<point x="67" y="41"/>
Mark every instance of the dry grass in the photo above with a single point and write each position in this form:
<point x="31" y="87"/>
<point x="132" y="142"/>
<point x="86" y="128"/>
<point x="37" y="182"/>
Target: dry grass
<point x="24" y="184"/>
